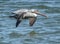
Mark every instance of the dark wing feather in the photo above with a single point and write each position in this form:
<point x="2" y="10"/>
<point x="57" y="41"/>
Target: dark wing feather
<point x="32" y="21"/>
<point x="19" y="19"/>
<point x="17" y="23"/>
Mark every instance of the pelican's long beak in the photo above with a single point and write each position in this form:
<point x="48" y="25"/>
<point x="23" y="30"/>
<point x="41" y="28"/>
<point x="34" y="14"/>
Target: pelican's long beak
<point x="43" y="15"/>
<point x="37" y="12"/>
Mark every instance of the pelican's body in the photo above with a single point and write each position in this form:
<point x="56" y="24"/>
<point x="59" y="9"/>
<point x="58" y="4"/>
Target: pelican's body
<point x="29" y="14"/>
<point x="26" y="13"/>
<point x="18" y="12"/>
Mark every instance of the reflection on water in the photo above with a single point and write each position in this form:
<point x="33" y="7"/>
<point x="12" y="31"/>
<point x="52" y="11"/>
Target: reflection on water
<point x="44" y="31"/>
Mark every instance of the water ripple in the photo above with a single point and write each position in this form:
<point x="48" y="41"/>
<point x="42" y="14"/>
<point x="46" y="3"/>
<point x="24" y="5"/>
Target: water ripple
<point x="44" y="31"/>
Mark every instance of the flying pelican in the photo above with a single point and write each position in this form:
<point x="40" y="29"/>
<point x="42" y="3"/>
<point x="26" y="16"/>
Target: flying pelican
<point x="25" y="14"/>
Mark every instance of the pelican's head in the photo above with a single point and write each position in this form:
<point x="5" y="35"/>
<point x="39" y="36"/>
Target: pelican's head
<point x="37" y="12"/>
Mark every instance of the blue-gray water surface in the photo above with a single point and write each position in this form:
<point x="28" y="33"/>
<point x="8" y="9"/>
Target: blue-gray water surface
<point x="44" y="31"/>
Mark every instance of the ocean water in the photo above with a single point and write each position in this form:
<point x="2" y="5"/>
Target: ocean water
<point x="44" y="31"/>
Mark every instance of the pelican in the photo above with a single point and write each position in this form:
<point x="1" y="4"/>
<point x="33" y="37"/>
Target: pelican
<point x="30" y="14"/>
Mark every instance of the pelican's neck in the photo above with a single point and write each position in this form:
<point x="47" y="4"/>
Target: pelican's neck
<point x="33" y="14"/>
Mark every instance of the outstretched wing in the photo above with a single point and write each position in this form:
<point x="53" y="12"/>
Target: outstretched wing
<point x="18" y="22"/>
<point x="32" y="21"/>
<point x="19" y="19"/>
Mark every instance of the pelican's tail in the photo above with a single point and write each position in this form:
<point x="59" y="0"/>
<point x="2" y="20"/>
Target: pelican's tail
<point x="11" y="16"/>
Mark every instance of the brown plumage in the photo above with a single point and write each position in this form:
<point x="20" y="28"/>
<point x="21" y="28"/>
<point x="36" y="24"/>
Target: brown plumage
<point x="26" y="13"/>
<point x="32" y="21"/>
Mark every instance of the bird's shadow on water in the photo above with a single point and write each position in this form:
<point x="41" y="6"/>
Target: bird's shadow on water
<point x="31" y="31"/>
